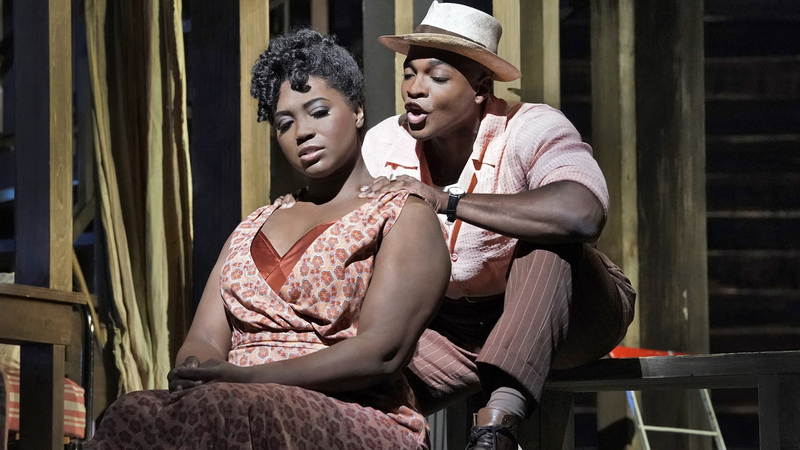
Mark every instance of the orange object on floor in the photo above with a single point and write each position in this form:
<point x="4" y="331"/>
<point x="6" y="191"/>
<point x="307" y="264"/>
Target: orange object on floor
<point x="632" y="352"/>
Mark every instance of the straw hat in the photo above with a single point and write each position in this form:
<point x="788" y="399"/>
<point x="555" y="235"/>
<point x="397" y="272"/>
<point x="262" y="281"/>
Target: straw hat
<point x="459" y="29"/>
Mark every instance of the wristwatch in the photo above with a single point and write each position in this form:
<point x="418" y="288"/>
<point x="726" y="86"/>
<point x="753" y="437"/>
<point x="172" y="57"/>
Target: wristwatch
<point x="455" y="193"/>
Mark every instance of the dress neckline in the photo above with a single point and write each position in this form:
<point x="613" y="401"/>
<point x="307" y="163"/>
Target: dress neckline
<point x="276" y="271"/>
<point x="271" y="209"/>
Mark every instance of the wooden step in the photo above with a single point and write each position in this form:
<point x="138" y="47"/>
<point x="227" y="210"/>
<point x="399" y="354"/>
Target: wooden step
<point x="736" y="401"/>
<point x="753" y="234"/>
<point x="767" y="154"/>
<point x="764" y="35"/>
<point x="754" y="32"/>
<point x="753" y="78"/>
<point x="750" y="8"/>
<point x="755" y="269"/>
<point x="723" y="117"/>
<point x="754" y="339"/>
<point x="752" y="196"/>
<point x="737" y="117"/>
<point x="735" y="307"/>
<point x="726" y="78"/>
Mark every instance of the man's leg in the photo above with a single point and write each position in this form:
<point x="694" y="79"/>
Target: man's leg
<point x="520" y="349"/>
<point x="441" y="373"/>
<point x="565" y="305"/>
<point x="601" y="310"/>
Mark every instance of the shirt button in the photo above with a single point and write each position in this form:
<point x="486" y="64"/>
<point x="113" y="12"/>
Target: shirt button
<point x="454" y="257"/>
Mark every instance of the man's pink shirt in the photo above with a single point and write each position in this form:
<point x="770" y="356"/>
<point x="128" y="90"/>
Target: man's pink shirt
<point x="518" y="148"/>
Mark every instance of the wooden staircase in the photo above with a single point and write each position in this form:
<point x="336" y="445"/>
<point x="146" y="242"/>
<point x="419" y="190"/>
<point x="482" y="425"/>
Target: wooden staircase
<point x="753" y="190"/>
<point x="752" y="79"/>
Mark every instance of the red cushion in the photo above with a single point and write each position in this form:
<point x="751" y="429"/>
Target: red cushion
<point x="74" y="409"/>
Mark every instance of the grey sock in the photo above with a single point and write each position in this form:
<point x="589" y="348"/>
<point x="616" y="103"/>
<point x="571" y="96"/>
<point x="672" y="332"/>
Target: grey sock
<point x="509" y="400"/>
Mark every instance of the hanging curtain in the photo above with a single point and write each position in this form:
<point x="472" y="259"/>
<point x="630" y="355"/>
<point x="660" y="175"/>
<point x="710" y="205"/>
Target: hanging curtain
<point x="136" y="60"/>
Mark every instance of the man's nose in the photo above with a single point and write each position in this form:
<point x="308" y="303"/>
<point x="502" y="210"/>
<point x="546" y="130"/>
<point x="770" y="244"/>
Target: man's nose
<point x="415" y="88"/>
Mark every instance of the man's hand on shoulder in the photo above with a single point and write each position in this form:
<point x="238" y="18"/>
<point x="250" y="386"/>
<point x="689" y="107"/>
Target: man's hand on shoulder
<point x="434" y="197"/>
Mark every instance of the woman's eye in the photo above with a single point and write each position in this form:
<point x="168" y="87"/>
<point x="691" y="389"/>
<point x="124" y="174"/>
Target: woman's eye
<point x="283" y="126"/>
<point x="319" y="113"/>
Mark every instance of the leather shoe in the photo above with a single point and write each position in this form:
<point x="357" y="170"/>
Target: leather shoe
<point x="497" y="431"/>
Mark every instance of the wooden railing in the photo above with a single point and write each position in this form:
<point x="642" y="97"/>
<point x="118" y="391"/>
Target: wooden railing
<point x="40" y="321"/>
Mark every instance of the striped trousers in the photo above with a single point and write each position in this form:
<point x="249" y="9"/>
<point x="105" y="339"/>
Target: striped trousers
<point x="564" y="305"/>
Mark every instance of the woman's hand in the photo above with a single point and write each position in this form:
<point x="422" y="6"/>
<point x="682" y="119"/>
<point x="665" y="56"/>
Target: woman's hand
<point x="176" y="382"/>
<point x="212" y="371"/>
<point x="434" y="197"/>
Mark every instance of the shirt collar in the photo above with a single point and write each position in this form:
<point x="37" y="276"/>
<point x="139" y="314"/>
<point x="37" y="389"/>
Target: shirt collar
<point x="493" y="125"/>
<point x="404" y="148"/>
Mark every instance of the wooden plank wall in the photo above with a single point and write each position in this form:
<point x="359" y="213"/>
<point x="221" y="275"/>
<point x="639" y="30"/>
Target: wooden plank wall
<point x="670" y="137"/>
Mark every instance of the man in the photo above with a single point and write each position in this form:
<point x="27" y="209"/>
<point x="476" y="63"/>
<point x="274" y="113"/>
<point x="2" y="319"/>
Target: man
<point x="519" y="195"/>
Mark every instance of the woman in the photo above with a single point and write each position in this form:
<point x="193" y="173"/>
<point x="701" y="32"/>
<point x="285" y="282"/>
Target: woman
<point x="310" y="312"/>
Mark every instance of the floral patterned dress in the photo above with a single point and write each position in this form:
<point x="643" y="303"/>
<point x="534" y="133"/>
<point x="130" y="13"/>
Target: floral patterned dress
<point x="283" y="307"/>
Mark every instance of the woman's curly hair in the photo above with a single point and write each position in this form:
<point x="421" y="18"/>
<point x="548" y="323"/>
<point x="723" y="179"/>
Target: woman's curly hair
<point x="297" y="55"/>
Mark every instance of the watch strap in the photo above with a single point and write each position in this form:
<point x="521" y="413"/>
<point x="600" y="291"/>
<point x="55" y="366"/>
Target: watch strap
<point x="452" y="204"/>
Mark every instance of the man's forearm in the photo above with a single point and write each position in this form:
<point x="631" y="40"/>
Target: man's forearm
<point x="560" y="212"/>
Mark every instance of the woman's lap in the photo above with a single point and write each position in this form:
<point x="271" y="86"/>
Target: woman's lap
<point x="246" y="416"/>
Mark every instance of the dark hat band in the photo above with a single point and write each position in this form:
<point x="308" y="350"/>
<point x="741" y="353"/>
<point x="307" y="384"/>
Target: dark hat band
<point x="422" y="28"/>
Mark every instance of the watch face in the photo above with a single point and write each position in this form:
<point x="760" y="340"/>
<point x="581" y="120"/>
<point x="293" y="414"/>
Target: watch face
<point x="455" y="190"/>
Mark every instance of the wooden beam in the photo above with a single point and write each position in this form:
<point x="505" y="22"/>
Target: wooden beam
<point x="41" y="385"/>
<point x="671" y="174"/>
<point x="43" y="45"/>
<point x="670" y="140"/>
<point x="614" y="142"/>
<point x="614" y="130"/>
<point x="403" y="24"/>
<point x="531" y="42"/>
<point x="507" y="12"/>
<point x="255" y="143"/>
<point x="319" y="16"/>
<point x="379" y="66"/>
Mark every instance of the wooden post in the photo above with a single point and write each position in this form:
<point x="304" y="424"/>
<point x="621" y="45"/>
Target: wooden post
<point x="43" y="45"/>
<point x="778" y="411"/>
<point x="404" y="11"/>
<point x="379" y="66"/>
<point x="230" y="150"/>
<point x="614" y="143"/>
<point x="319" y="16"/>
<point x="670" y="138"/>
<point x="255" y="143"/>
<point x="42" y="384"/>
<point x="43" y="64"/>
<point x="531" y="42"/>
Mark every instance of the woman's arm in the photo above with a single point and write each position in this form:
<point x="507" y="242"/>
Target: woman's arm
<point x="410" y="275"/>
<point x="209" y="336"/>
